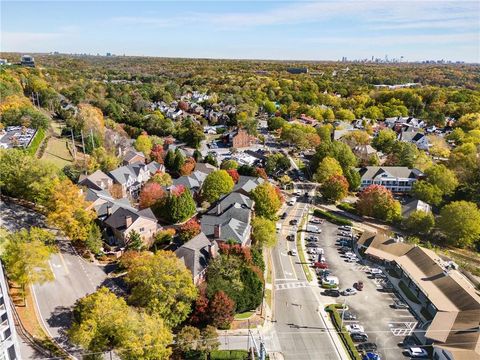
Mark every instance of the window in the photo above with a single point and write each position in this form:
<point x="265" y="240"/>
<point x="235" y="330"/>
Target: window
<point x="141" y="229"/>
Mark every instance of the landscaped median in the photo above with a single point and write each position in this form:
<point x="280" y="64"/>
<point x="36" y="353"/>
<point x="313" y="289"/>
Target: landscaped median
<point x="342" y="332"/>
<point x="339" y="220"/>
<point x="300" y="251"/>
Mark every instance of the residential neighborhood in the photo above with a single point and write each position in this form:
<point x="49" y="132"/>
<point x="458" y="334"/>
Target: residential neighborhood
<point x="199" y="208"/>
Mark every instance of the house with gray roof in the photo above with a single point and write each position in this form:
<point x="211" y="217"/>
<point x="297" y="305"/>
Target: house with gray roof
<point x="121" y="221"/>
<point x="131" y="177"/>
<point x="228" y="201"/>
<point x="394" y="178"/>
<point x="231" y="223"/>
<point x="195" y="254"/>
<point x="132" y="157"/>
<point x="246" y="184"/>
<point x="415" y="205"/>
<point x="98" y="180"/>
<point x="417" y="138"/>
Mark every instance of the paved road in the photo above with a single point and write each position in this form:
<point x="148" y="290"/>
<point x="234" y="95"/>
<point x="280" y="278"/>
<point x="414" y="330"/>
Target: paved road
<point x="299" y="327"/>
<point x="73" y="277"/>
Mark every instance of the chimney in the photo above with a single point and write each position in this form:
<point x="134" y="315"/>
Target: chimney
<point x="217" y="232"/>
<point x="128" y="221"/>
<point x="212" y="250"/>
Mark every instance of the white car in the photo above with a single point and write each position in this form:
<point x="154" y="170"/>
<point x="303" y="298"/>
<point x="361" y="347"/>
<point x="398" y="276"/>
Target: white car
<point x="292" y="201"/>
<point x="345" y="228"/>
<point x="351" y="259"/>
<point x="350" y="254"/>
<point x="375" y="271"/>
<point x="349" y="291"/>
<point x="315" y="221"/>
<point x="312" y="251"/>
<point x="293" y="252"/>
<point x="416" y="352"/>
<point x="355" y="328"/>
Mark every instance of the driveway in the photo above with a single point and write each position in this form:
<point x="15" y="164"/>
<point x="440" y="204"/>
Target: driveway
<point x="74" y="277"/>
<point x="383" y="324"/>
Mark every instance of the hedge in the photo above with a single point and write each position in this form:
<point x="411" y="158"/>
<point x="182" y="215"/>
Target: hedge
<point x="339" y="220"/>
<point x="343" y="333"/>
<point x="229" y="355"/>
<point x="347" y="207"/>
<point x="37" y="140"/>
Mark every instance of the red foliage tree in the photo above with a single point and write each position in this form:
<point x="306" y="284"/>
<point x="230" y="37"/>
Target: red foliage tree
<point x="200" y="315"/>
<point x="189" y="230"/>
<point x="177" y="190"/>
<point x="261" y="173"/>
<point x="182" y="105"/>
<point x="234" y="175"/>
<point x="279" y="194"/>
<point x="150" y="194"/>
<point x="236" y="250"/>
<point x="157" y="154"/>
<point x="188" y="166"/>
<point x="222" y="310"/>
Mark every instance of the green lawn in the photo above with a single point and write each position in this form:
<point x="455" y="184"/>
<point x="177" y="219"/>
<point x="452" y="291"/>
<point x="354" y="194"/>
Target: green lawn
<point x="57" y="152"/>
<point x="245" y="315"/>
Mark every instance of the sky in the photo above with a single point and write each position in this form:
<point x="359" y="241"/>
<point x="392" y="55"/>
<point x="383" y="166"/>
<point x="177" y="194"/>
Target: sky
<point x="283" y="30"/>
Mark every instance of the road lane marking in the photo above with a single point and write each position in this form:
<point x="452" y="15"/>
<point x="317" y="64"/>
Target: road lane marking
<point x="63" y="262"/>
<point x="51" y="268"/>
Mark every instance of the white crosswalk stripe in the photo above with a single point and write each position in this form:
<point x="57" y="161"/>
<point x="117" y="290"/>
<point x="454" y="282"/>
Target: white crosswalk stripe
<point x="291" y="285"/>
<point x="406" y="328"/>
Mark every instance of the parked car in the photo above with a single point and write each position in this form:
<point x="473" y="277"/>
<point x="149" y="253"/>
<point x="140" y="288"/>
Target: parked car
<point x="359" y="337"/>
<point x="293" y="222"/>
<point x="348" y="315"/>
<point x="358" y="285"/>
<point x="293" y="252"/>
<point x="374" y="271"/>
<point x="345" y="249"/>
<point x="312" y="238"/>
<point x="351" y="259"/>
<point x="345" y="228"/>
<point x="399" y="304"/>
<point x="349" y="254"/>
<point x="355" y="328"/>
<point x="371" y="356"/>
<point x="284" y="216"/>
<point x="312" y="244"/>
<point x="387" y="287"/>
<point x="292" y="201"/>
<point x="314" y="229"/>
<point x="332" y="292"/>
<point x="344" y="233"/>
<point x="315" y="220"/>
<point x="291" y="237"/>
<point x="367" y="346"/>
<point x="349" y="291"/>
<point x="417" y="352"/>
<point x="320" y="265"/>
<point x="312" y="251"/>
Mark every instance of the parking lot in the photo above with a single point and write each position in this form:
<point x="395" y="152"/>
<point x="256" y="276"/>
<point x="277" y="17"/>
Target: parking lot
<point x="384" y="324"/>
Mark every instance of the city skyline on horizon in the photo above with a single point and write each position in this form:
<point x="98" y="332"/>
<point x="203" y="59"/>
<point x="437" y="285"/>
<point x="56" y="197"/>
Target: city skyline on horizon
<point x="283" y="30"/>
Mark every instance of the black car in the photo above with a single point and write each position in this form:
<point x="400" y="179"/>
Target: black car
<point x="293" y="222"/>
<point x="284" y="216"/>
<point x="367" y="346"/>
<point x="331" y="292"/>
<point x="359" y="337"/>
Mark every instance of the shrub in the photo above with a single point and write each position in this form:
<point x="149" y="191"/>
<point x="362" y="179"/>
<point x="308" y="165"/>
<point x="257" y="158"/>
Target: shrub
<point x="332" y="218"/>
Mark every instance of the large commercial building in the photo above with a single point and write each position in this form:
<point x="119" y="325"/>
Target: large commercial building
<point x="9" y="349"/>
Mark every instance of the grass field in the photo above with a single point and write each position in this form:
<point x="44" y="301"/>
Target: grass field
<point x="244" y="315"/>
<point x="57" y="152"/>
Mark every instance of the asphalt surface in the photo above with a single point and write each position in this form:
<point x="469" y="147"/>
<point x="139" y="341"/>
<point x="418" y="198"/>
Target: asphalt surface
<point x="299" y="328"/>
<point x="383" y="324"/>
<point x="73" y="277"/>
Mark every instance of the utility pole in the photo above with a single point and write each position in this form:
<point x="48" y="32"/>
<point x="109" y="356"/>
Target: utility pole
<point x="91" y="138"/>
<point x="73" y="145"/>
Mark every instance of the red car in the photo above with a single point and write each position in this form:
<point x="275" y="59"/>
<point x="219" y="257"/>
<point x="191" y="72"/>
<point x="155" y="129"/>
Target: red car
<point x="320" y="265"/>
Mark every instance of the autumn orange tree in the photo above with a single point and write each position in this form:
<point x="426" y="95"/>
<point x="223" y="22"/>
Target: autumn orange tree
<point x="378" y="202"/>
<point x="189" y="230"/>
<point x="67" y="210"/>
<point x="222" y="310"/>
